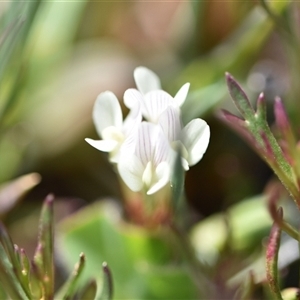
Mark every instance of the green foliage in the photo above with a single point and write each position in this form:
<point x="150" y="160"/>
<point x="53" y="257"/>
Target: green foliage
<point x="22" y="279"/>
<point x="55" y="57"/>
<point x="141" y="260"/>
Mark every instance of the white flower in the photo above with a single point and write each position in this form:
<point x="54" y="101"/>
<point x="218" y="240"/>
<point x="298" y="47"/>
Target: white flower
<point x="145" y="161"/>
<point x="108" y="120"/>
<point x="192" y="139"/>
<point x="153" y="99"/>
<point x="145" y="151"/>
<point x="161" y="108"/>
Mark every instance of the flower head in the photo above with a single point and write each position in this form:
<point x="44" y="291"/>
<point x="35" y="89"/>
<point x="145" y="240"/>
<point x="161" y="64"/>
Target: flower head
<point x="145" y="150"/>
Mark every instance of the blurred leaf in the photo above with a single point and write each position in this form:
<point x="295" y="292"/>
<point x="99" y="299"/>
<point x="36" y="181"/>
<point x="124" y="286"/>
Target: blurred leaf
<point x="8" y="279"/>
<point x="201" y="101"/>
<point x="249" y="222"/>
<point x="68" y="290"/>
<point x="107" y="286"/>
<point x="177" y="182"/>
<point x="132" y="253"/>
<point x="11" y="192"/>
<point x="89" y="291"/>
<point x="56" y="26"/>
<point x="235" y="54"/>
<point x="45" y="241"/>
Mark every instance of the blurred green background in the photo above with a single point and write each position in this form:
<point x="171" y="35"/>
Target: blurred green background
<point x="63" y="54"/>
<point x="57" y="56"/>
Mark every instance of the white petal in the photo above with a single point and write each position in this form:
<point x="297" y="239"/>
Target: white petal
<point x="131" y="171"/>
<point x="162" y="174"/>
<point x="170" y="123"/>
<point x="113" y="133"/>
<point x="156" y="102"/>
<point x="182" y="94"/>
<point x="148" y="174"/>
<point x="146" y="80"/>
<point x="107" y="112"/>
<point x="146" y="137"/>
<point x="103" y="145"/>
<point x="133" y="99"/>
<point x="161" y="151"/>
<point x="195" y="138"/>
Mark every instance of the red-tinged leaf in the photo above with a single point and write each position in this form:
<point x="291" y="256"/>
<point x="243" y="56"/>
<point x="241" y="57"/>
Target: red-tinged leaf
<point x="274" y="193"/>
<point x="43" y="263"/>
<point x="8" y="278"/>
<point x="45" y="240"/>
<point x="36" y="285"/>
<point x="8" y="244"/>
<point x="281" y="117"/>
<point x="285" y="130"/>
<point x="240" y="126"/>
<point x="69" y="289"/>
<point x="268" y="150"/>
<point x="107" y="287"/>
<point x="240" y="98"/>
<point x="272" y="258"/>
<point x="261" y="111"/>
<point x="25" y="272"/>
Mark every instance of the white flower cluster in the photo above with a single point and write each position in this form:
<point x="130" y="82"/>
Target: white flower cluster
<point x="144" y="145"/>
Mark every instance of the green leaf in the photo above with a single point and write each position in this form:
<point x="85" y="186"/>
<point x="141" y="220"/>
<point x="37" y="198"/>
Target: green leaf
<point x="210" y="235"/>
<point x="8" y="278"/>
<point x="257" y="129"/>
<point x="177" y="182"/>
<point x="44" y="255"/>
<point x="89" y="291"/>
<point x="70" y="287"/>
<point x="107" y="286"/>
<point x="131" y="252"/>
<point x="240" y="98"/>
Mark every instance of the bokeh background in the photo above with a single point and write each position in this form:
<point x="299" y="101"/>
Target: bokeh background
<point x="57" y="56"/>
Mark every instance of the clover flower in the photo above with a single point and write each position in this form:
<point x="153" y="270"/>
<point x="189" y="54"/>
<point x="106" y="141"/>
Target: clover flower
<point x="108" y="120"/>
<point x="145" y="161"/>
<point x="144" y="146"/>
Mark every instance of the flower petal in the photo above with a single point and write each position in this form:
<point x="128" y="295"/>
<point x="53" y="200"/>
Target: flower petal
<point x="103" y="145"/>
<point x="156" y="102"/>
<point x="146" y="80"/>
<point x="133" y="99"/>
<point x="182" y="94"/>
<point x="107" y="112"/>
<point x="162" y="149"/>
<point x="195" y="138"/>
<point x="162" y="176"/>
<point x="131" y="171"/>
<point x="146" y="137"/>
<point x="170" y="122"/>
